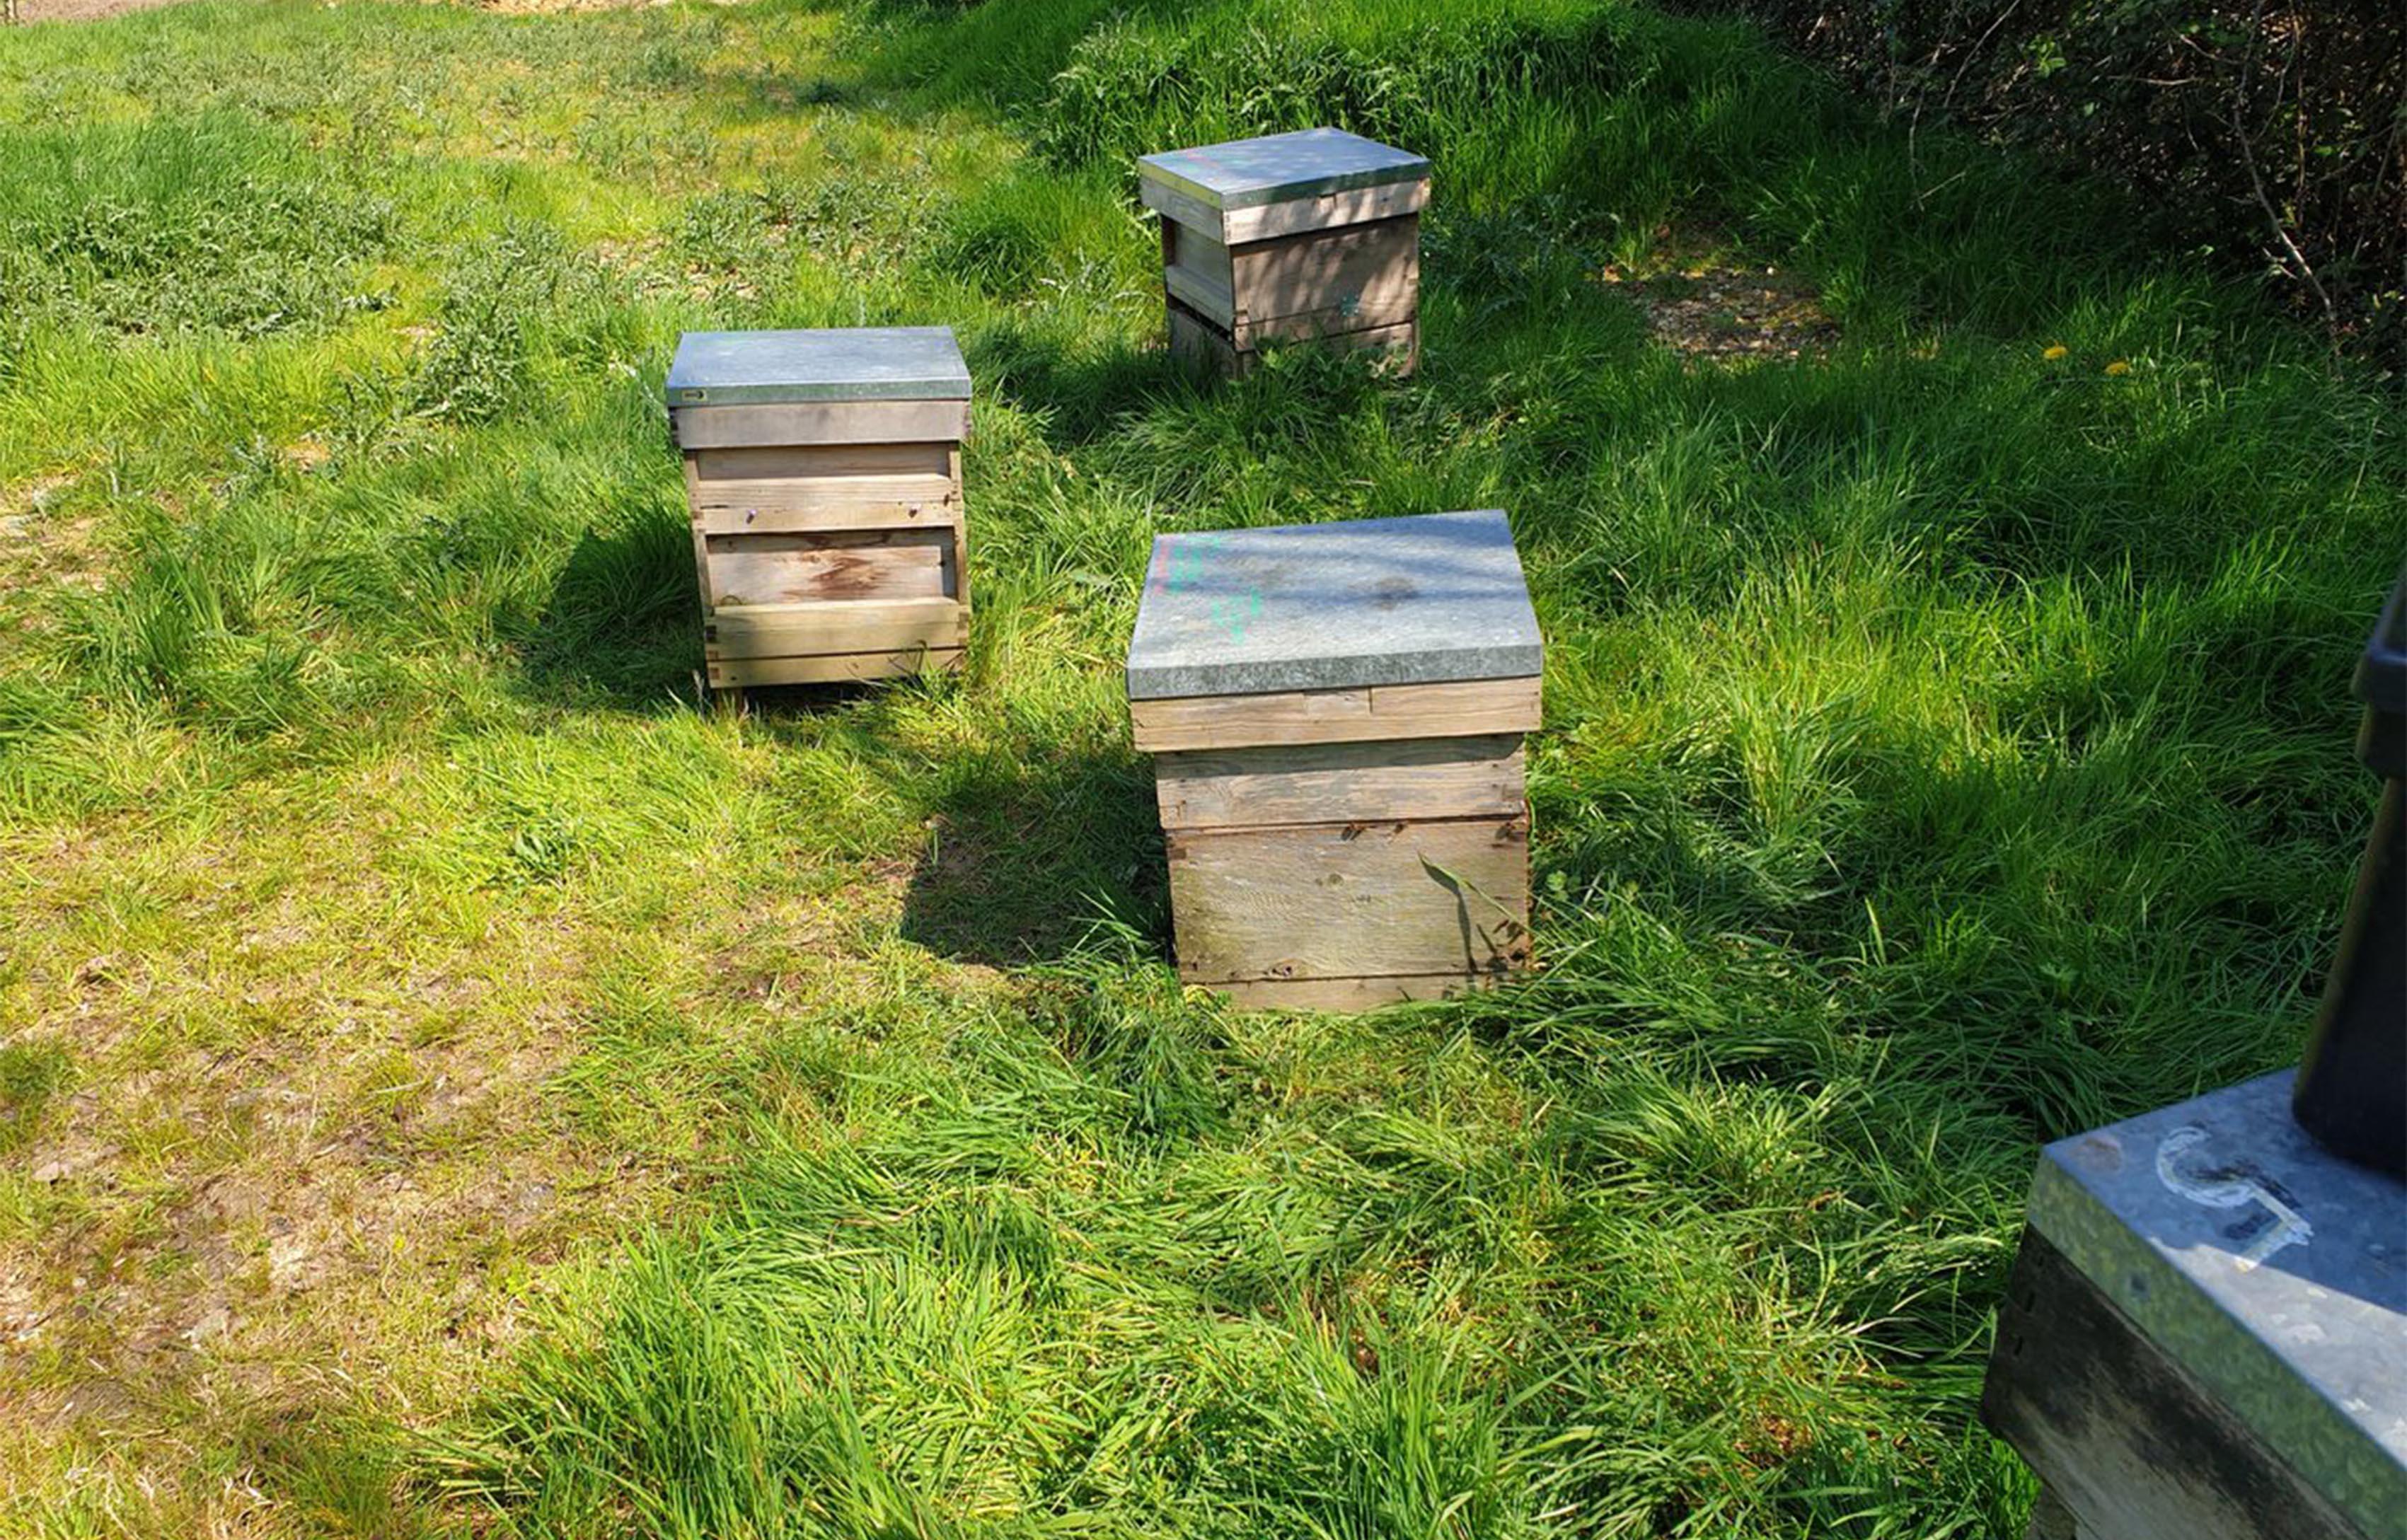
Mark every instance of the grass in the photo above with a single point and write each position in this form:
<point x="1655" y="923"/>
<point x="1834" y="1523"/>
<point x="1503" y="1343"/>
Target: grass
<point x="450" y="1084"/>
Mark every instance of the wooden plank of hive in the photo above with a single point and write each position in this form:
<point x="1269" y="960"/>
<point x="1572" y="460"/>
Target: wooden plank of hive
<point x="700" y="539"/>
<point x="1351" y="995"/>
<point x="834" y="626"/>
<point x="2125" y="1437"/>
<point x="960" y="568"/>
<point x="821" y="422"/>
<point x="1288" y="217"/>
<point x="1326" y="282"/>
<point x="1410" y="778"/>
<point x="779" y="489"/>
<point x="1198" y="272"/>
<point x="772" y="569"/>
<point x="1334" y="901"/>
<point x="1197" y="342"/>
<point x="1459" y="708"/>
<point x="1321" y="212"/>
<point x="839" y="668"/>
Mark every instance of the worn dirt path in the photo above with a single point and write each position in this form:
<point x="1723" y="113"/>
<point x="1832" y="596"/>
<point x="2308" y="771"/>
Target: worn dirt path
<point x="74" y="10"/>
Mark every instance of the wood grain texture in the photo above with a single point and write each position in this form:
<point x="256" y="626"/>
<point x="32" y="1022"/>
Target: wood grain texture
<point x="1466" y="708"/>
<point x="1181" y="209"/>
<point x="776" y="569"/>
<point x="835" y="626"/>
<point x="1380" y="781"/>
<point x="2131" y="1445"/>
<point x="1198" y="343"/>
<point x="1339" y="901"/>
<point x="821" y="422"/>
<point x="960" y="569"/>
<point x="788" y="488"/>
<point x="737" y="673"/>
<point x="1197" y="269"/>
<point x="1401" y="343"/>
<point x="1268" y="222"/>
<point x="1361" y="277"/>
<point x="1355" y="205"/>
<point x="700" y="540"/>
<point x="1350" y="994"/>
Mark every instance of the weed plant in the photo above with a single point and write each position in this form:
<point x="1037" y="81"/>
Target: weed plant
<point x="787" y="1123"/>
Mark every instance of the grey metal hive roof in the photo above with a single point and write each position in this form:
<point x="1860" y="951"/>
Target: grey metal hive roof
<point x="1248" y="173"/>
<point x="844" y="363"/>
<point x="1425" y="598"/>
<point x="2270" y="1269"/>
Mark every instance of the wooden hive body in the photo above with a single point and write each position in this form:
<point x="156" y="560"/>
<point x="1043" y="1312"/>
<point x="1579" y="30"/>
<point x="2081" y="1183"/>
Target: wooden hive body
<point x="1361" y="836"/>
<point x="1313" y="236"/>
<point x="823" y="483"/>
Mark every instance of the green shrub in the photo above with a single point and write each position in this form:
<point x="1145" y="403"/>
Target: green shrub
<point x="2276" y="137"/>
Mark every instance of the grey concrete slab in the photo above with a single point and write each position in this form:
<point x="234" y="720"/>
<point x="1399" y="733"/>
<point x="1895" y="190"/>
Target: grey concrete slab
<point x="1424" y="598"/>
<point x="2274" y="1273"/>
<point x="1248" y="173"/>
<point x="842" y="364"/>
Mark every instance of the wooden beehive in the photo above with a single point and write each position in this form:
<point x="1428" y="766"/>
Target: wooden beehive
<point x="823" y="479"/>
<point x="1312" y="235"/>
<point x="1336" y="714"/>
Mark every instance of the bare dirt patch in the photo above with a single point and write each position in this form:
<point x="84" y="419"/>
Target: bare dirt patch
<point x="1725" y="308"/>
<point x="283" y="1149"/>
<point x="99" y="10"/>
<point x="47" y="551"/>
<point x="74" y="10"/>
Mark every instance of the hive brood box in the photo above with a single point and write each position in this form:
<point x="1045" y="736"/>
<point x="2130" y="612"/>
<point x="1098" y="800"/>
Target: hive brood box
<point x="823" y="479"/>
<point x="1335" y="713"/>
<point x="1311" y="235"/>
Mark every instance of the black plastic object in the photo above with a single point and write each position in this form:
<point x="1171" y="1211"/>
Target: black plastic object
<point x="2352" y="1088"/>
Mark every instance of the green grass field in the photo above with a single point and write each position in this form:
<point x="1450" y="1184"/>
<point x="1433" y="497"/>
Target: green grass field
<point x="452" y="1084"/>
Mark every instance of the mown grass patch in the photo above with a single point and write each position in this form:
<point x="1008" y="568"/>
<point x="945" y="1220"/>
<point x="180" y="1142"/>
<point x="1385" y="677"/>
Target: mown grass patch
<point x="462" y="1086"/>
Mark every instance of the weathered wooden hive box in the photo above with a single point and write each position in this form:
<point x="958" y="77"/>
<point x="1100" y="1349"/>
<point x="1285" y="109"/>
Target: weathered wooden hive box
<point x="1314" y="234"/>
<point x="1335" y="713"/>
<point x="823" y="477"/>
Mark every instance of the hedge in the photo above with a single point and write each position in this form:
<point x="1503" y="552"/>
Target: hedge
<point x="2273" y="134"/>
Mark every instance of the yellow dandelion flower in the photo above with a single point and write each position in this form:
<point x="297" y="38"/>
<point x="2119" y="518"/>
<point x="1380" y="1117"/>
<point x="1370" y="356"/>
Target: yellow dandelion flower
<point x="2054" y="351"/>
<point x="2119" y="368"/>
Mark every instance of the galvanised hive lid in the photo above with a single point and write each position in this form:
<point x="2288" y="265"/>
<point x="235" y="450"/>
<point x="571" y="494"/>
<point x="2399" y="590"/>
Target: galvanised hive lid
<point x="1248" y="173"/>
<point x="843" y="363"/>
<point x="1424" y="599"/>
<point x="2273" y="1271"/>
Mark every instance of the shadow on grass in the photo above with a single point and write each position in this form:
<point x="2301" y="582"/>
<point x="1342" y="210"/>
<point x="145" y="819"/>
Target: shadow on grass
<point x="342" y="1469"/>
<point x="1024" y="859"/>
<point x="623" y="622"/>
<point x="1081" y="391"/>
